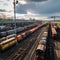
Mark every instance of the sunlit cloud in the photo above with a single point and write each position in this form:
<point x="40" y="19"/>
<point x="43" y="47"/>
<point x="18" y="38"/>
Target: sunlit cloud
<point x="1" y="0"/>
<point x="31" y="8"/>
<point x="7" y="5"/>
<point x="22" y="2"/>
<point x="29" y="13"/>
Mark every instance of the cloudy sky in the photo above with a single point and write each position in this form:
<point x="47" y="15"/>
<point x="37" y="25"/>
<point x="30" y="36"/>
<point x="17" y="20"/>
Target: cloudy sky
<point x="32" y="8"/>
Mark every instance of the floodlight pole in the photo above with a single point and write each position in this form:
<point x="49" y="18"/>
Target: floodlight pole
<point x="54" y="18"/>
<point x="3" y="18"/>
<point x="14" y="3"/>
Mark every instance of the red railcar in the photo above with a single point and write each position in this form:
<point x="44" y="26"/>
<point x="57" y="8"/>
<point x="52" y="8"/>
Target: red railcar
<point x="54" y="32"/>
<point x="19" y="37"/>
<point x="39" y="58"/>
<point x="10" y="40"/>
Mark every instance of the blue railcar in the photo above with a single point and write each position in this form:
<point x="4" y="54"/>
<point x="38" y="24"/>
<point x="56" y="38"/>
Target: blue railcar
<point x="5" y="29"/>
<point x="3" y="34"/>
<point x="11" y="32"/>
<point x="19" y="30"/>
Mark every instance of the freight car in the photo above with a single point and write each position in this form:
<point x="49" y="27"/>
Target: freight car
<point x="2" y="39"/>
<point x="11" y="32"/>
<point x="23" y="35"/>
<point x="11" y="40"/>
<point x="10" y="36"/>
<point x="41" y="49"/>
<point x="45" y="34"/>
<point x="34" y="29"/>
<point x="54" y="32"/>
<point x="58" y="33"/>
<point x="7" y="37"/>
<point x="3" y="34"/>
<point x="5" y="29"/>
<point x="17" y="30"/>
<point x="7" y="43"/>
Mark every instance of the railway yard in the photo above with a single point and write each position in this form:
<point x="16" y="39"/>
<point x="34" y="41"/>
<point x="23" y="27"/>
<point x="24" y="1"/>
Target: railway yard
<point x="36" y="41"/>
<point x="29" y="30"/>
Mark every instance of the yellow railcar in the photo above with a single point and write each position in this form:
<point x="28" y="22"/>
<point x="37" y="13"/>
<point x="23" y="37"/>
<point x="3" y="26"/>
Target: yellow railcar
<point x="10" y="36"/>
<point x="7" y="43"/>
<point x="2" y="39"/>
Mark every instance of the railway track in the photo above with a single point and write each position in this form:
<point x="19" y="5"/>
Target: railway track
<point x="57" y="44"/>
<point x="20" y="49"/>
<point x="49" y="52"/>
<point x="28" y="45"/>
<point x="57" y="50"/>
<point x="52" y="46"/>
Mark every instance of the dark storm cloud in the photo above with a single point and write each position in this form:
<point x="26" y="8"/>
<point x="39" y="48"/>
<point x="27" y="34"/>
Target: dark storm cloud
<point x="2" y="10"/>
<point x="49" y="7"/>
<point x="21" y="9"/>
<point x="34" y="0"/>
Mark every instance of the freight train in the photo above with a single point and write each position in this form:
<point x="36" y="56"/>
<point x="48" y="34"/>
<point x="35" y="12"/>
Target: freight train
<point x="7" y="28"/>
<point x="54" y="31"/>
<point x="4" y="28"/>
<point x="17" y="30"/>
<point x="40" y="50"/>
<point x="57" y="37"/>
<point x="11" y="40"/>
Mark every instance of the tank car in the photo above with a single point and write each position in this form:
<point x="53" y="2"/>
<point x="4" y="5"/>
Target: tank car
<point x="19" y="30"/>
<point x="3" y="34"/>
<point x="19" y="37"/>
<point x="11" y="32"/>
<point x="2" y="39"/>
<point x="7" y="43"/>
<point x="10" y="36"/>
